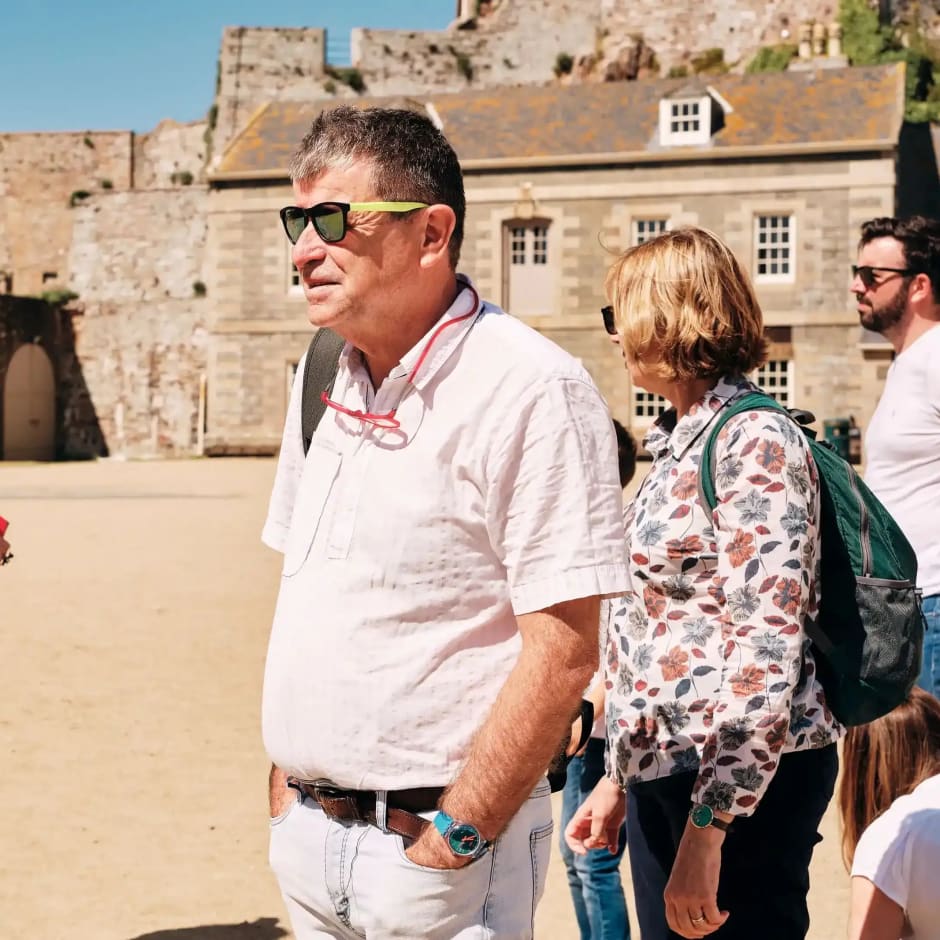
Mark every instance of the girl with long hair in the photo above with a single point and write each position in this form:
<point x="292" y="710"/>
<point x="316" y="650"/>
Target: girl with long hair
<point x="890" y="803"/>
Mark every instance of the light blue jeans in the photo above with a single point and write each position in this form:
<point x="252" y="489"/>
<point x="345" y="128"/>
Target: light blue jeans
<point x="930" y="673"/>
<point x="594" y="879"/>
<point x="351" y="880"/>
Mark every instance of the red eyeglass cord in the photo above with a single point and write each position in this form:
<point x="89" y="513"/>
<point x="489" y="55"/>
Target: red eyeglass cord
<point x="388" y="421"/>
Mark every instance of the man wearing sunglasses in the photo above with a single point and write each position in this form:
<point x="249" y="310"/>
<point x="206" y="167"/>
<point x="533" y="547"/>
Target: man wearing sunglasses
<point x="897" y="285"/>
<point x="446" y="540"/>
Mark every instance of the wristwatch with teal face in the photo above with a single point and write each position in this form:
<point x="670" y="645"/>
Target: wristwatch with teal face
<point x="702" y="816"/>
<point x="462" y="839"/>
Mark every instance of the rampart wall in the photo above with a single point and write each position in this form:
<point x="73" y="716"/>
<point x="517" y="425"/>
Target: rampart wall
<point x="137" y="264"/>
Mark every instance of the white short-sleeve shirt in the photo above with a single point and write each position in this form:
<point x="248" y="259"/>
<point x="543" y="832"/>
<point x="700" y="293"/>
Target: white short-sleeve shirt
<point x="899" y="853"/>
<point x="902" y="448"/>
<point x="408" y="554"/>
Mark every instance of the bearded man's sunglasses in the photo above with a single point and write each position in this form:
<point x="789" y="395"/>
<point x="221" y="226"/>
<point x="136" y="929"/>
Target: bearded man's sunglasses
<point x="329" y="218"/>
<point x="866" y="273"/>
<point x="608" y="315"/>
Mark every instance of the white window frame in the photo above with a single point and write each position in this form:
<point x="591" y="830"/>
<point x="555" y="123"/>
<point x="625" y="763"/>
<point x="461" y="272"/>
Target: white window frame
<point x="529" y="247"/>
<point x="782" y="369"/>
<point x="787" y="244"/>
<point x="637" y="238"/>
<point x="290" y="374"/>
<point x="294" y="285"/>
<point x="691" y="110"/>
<point x="646" y="407"/>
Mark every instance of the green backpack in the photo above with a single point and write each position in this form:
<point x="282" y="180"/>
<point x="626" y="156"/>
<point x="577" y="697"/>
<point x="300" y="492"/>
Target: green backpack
<point x="869" y="635"/>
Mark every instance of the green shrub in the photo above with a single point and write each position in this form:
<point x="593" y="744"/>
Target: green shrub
<point x="106" y="184"/>
<point x="772" y="58"/>
<point x="329" y="87"/>
<point x="678" y="71"/>
<point x="348" y="76"/>
<point x="865" y="41"/>
<point x="78" y="196"/>
<point x="355" y="80"/>
<point x="181" y="178"/>
<point x="199" y="289"/>
<point x="212" y="116"/>
<point x="709" y="62"/>
<point x="88" y="142"/>
<point x="464" y="66"/>
<point x="58" y="297"/>
<point x="563" y="64"/>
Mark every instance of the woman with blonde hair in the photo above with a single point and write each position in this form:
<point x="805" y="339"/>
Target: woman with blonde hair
<point x="890" y="802"/>
<point x="717" y="725"/>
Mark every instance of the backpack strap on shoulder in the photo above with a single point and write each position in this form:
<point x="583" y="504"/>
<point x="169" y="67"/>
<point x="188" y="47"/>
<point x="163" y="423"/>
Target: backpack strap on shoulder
<point x="752" y="401"/>
<point x="319" y="376"/>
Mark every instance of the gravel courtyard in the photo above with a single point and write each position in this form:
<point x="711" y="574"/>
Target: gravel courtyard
<point x="134" y="625"/>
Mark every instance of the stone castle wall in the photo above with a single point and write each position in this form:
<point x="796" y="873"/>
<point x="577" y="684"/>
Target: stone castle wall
<point x="517" y="42"/>
<point x="258" y="65"/>
<point x="137" y="264"/>
<point x="41" y="176"/>
<point x="172" y="154"/>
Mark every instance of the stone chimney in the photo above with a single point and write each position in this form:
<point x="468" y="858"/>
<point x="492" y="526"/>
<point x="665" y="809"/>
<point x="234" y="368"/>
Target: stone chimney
<point x="806" y="43"/>
<point x="834" y="41"/>
<point x="819" y="38"/>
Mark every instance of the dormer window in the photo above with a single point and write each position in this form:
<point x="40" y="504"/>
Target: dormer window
<point x="691" y="115"/>
<point x="684" y="117"/>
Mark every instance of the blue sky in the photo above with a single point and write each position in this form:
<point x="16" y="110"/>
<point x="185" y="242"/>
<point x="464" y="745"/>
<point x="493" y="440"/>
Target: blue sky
<point x="127" y="64"/>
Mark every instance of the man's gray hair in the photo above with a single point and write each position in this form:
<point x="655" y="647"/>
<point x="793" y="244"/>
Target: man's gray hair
<point x="411" y="158"/>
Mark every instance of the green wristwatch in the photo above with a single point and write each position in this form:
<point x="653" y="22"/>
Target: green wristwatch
<point x="702" y="816"/>
<point x="462" y="839"/>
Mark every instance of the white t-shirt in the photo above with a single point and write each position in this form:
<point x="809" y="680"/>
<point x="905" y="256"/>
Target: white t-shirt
<point x="408" y="554"/>
<point x="902" y="449"/>
<point x="899" y="853"/>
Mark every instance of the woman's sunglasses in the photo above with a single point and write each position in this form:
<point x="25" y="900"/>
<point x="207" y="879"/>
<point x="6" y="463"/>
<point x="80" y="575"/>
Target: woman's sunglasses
<point x="329" y="218"/>
<point x="608" y="314"/>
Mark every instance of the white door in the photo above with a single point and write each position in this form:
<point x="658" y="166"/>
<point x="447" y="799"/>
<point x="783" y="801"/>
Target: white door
<point x="29" y="406"/>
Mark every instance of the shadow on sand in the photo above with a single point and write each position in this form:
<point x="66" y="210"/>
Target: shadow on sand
<point x="264" y="928"/>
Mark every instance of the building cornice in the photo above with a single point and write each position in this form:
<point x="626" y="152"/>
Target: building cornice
<point x="672" y="155"/>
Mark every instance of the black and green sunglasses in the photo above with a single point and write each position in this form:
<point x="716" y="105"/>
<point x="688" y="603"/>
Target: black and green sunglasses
<point x="329" y="218"/>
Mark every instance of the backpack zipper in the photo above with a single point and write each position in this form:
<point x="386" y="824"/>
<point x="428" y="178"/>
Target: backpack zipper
<point x="865" y="529"/>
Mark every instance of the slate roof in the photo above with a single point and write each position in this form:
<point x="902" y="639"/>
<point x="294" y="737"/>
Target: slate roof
<point x="841" y="109"/>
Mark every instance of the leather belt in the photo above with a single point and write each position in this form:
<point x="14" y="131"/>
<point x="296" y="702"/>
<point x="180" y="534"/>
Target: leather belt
<point x="359" y="805"/>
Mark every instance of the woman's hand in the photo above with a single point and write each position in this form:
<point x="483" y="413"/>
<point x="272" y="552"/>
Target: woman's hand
<point x="691" y="894"/>
<point x="597" y="821"/>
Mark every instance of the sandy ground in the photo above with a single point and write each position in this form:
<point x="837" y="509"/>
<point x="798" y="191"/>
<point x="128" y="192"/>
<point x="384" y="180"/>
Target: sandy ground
<point x="134" y="623"/>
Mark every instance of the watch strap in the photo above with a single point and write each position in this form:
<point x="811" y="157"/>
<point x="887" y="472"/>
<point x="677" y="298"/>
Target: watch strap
<point x="701" y="815"/>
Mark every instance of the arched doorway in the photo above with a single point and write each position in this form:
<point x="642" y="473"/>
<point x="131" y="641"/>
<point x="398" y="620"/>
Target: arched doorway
<point x="29" y="406"/>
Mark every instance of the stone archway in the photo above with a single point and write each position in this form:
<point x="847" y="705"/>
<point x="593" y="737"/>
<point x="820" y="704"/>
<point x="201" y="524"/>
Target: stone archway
<point x="29" y="406"/>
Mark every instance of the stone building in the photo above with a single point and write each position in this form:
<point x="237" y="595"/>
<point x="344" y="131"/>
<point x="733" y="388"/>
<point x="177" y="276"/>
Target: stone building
<point x="784" y="166"/>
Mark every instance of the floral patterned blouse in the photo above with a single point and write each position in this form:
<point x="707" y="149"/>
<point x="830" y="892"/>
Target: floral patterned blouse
<point x="708" y="667"/>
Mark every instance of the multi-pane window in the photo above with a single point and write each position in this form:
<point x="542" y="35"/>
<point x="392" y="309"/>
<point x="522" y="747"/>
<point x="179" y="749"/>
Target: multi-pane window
<point x="529" y="244"/>
<point x="294" y="285"/>
<point x="645" y="229"/>
<point x="684" y="117"/>
<point x="776" y="378"/>
<point x="647" y="407"/>
<point x="530" y="284"/>
<point x="773" y="237"/>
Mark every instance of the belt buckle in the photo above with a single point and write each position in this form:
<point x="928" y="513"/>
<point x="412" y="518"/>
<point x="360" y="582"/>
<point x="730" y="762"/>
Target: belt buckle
<point x="333" y="800"/>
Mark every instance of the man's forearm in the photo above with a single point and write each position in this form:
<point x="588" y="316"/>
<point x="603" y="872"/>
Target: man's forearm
<point x="277" y="789"/>
<point x="531" y="715"/>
